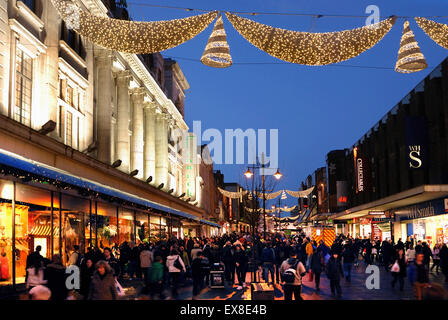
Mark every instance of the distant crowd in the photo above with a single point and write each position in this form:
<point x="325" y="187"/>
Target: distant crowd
<point x="286" y="260"/>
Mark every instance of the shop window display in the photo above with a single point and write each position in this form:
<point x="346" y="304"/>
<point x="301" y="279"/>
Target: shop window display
<point x="75" y="212"/>
<point x="163" y="229"/>
<point x="6" y="194"/>
<point x="155" y="230"/>
<point x="126" y="225"/>
<point x="33" y="225"/>
<point x="106" y="223"/>
<point x="142" y="227"/>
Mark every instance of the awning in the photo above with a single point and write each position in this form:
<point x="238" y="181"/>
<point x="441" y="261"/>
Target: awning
<point x="16" y="161"/>
<point x="44" y="231"/>
<point x="402" y="199"/>
<point x="211" y="223"/>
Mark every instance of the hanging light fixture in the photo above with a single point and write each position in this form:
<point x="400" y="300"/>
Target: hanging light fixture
<point x="278" y="175"/>
<point x="217" y="51"/>
<point x="410" y="58"/>
<point x="248" y="174"/>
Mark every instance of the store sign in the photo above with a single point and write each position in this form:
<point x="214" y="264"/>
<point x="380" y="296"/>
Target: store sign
<point x="360" y="174"/>
<point x="365" y="221"/>
<point x="416" y="142"/>
<point x="363" y="174"/>
<point x="342" y="193"/>
<point x="377" y="213"/>
<point x="422" y="210"/>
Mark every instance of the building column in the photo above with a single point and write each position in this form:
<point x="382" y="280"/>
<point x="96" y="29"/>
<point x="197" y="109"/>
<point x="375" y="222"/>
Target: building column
<point x="137" y="142"/>
<point x="161" y="147"/>
<point x="150" y="141"/>
<point x="122" y="149"/>
<point x="104" y="107"/>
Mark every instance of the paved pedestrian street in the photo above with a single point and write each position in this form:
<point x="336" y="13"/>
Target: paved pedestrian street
<point x="354" y="290"/>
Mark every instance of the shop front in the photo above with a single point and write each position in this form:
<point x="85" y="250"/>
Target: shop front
<point x="427" y="221"/>
<point x="56" y="212"/>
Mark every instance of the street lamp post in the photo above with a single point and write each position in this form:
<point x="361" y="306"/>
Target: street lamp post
<point x="249" y="174"/>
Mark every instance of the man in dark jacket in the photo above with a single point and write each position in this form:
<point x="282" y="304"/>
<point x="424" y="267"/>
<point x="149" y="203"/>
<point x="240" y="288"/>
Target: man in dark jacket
<point x="241" y="262"/>
<point x="348" y="254"/>
<point x="334" y="274"/>
<point x="317" y="265"/>
<point x="444" y="261"/>
<point x="268" y="260"/>
<point x="228" y="257"/>
<point x="199" y="269"/>
<point x="280" y="255"/>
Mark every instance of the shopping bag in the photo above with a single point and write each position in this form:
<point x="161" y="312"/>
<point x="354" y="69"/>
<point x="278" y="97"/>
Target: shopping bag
<point x="120" y="289"/>
<point x="311" y="276"/>
<point x="395" y="267"/>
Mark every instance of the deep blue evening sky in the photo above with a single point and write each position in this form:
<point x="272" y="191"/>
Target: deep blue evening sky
<point x="316" y="109"/>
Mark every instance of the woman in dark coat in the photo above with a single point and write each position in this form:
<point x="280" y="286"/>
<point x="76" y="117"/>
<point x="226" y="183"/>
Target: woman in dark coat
<point x="87" y="270"/>
<point x="103" y="285"/>
<point x="401" y="274"/>
<point x="56" y="277"/>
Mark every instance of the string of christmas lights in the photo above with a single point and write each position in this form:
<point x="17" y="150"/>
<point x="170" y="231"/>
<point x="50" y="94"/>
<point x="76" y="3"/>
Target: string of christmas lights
<point x="232" y="195"/>
<point x="257" y="13"/>
<point x="311" y="48"/>
<point x="300" y="194"/>
<point x="131" y="36"/>
<point x="269" y="196"/>
<point x="436" y="31"/>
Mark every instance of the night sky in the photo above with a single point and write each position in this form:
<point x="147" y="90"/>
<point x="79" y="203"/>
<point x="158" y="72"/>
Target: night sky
<point x="316" y="109"/>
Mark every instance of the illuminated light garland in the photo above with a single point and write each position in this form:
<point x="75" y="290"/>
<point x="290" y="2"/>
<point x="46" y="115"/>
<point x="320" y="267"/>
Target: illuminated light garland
<point x="410" y="58"/>
<point x="268" y="196"/>
<point x="217" y="51"/>
<point x="232" y="195"/>
<point x="311" y="48"/>
<point x="131" y="36"/>
<point x="288" y="209"/>
<point x="436" y="31"/>
<point x="288" y="218"/>
<point x="300" y="194"/>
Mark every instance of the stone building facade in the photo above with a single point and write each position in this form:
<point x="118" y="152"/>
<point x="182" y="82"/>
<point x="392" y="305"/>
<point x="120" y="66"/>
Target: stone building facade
<point x="89" y="147"/>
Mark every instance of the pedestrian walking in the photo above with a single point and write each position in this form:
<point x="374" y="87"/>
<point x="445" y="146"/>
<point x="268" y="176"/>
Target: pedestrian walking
<point x="175" y="266"/>
<point x="103" y="285"/>
<point x="317" y="266"/>
<point x="241" y="263"/>
<point x="436" y="258"/>
<point x="156" y="278"/>
<point x="199" y="269"/>
<point x="443" y="254"/>
<point x="348" y="255"/>
<point x="87" y="270"/>
<point x="398" y="269"/>
<point x="268" y="261"/>
<point x="335" y="273"/>
<point x="292" y="270"/>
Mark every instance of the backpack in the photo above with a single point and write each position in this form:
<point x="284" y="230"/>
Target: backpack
<point x="289" y="276"/>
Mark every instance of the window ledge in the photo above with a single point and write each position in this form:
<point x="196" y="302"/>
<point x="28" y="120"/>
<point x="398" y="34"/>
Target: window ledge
<point x="64" y="45"/>
<point x="29" y="15"/>
<point x="31" y="44"/>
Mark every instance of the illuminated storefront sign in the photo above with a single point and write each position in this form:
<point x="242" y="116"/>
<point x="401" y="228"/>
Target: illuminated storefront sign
<point x="416" y="141"/>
